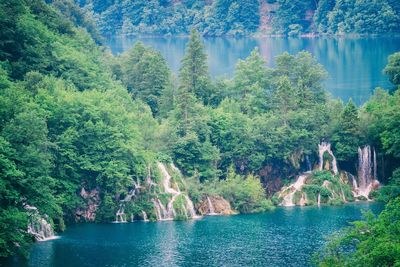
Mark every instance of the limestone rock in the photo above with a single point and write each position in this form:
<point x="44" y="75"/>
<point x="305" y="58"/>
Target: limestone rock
<point x="215" y="205"/>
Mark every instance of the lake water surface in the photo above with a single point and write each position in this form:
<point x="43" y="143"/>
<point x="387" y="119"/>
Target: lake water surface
<point x="354" y="64"/>
<point x="284" y="237"/>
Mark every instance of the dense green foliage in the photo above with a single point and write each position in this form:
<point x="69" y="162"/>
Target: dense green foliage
<point x="393" y="69"/>
<point x="64" y="126"/>
<point x="74" y="117"/>
<point x="175" y="17"/>
<point x="145" y="74"/>
<point x="371" y="242"/>
<point x="366" y="16"/>
<point x="374" y="241"/>
<point x="233" y="17"/>
<point x="346" y="136"/>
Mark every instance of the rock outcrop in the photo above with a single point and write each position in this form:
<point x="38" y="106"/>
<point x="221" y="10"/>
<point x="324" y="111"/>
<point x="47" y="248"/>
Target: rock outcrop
<point x="92" y="200"/>
<point x="39" y="225"/>
<point x="215" y="205"/>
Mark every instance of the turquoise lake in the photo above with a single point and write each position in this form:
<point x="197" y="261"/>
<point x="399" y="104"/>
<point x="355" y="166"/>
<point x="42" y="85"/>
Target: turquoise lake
<point x="283" y="237"/>
<point x="354" y="64"/>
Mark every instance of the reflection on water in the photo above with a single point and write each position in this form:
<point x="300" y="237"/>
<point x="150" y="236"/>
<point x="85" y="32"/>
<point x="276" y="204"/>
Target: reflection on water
<point x="354" y="64"/>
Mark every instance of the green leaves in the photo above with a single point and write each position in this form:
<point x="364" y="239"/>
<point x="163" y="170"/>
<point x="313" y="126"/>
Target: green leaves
<point x="193" y="74"/>
<point x="371" y="242"/>
<point x="346" y="138"/>
<point x="393" y="68"/>
<point x="146" y="75"/>
<point x="361" y="16"/>
<point x="245" y="193"/>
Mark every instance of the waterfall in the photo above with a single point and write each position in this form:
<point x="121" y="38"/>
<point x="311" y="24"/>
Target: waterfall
<point x="353" y="184"/>
<point x="38" y="226"/>
<point x="158" y="210"/>
<point x="144" y="215"/>
<point x="164" y="212"/>
<point x="190" y="208"/>
<point x="319" y="200"/>
<point x="375" y="166"/>
<point x="169" y="212"/>
<point x="303" y="200"/>
<point x="326" y="147"/>
<point x="133" y="191"/>
<point x="308" y="162"/>
<point x="367" y="171"/>
<point x="40" y="229"/>
<point x="120" y="216"/>
<point x="210" y="207"/>
<point x="293" y="188"/>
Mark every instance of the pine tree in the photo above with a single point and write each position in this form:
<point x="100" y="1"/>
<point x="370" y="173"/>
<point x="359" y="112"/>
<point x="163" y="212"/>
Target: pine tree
<point x="193" y="74"/>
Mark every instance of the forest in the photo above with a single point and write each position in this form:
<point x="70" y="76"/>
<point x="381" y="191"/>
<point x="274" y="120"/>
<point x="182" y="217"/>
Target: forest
<point x="232" y="17"/>
<point x="79" y="125"/>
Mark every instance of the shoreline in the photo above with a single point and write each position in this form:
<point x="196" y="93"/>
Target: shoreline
<point x="255" y="35"/>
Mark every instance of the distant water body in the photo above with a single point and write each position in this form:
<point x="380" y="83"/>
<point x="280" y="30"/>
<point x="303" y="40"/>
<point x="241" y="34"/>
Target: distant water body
<point x="354" y="64"/>
<point x="283" y="237"/>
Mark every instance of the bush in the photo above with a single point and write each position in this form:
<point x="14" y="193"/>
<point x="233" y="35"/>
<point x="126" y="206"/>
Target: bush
<point x="371" y="242"/>
<point x="246" y="194"/>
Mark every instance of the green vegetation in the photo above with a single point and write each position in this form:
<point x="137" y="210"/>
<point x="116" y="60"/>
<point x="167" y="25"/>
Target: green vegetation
<point x="346" y="135"/>
<point x="246" y="194"/>
<point x="233" y="17"/>
<point x="393" y="69"/>
<point x="371" y="242"/>
<point x="75" y="119"/>
<point x="330" y="188"/>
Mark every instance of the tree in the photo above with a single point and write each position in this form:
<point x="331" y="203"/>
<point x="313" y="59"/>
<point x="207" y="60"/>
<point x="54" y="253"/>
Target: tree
<point x="321" y="14"/>
<point x="346" y="138"/>
<point x="291" y="12"/>
<point x="370" y="242"/>
<point x="251" y="82"/>
<point x="146" y="75"/>
<point x="193" y="74"/>
<point x="393" y="68"/>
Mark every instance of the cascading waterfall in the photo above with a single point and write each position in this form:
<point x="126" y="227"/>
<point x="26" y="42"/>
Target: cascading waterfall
<point x="164" y="211"/>
<point x="326" y="147"/>
<point x="210" y="207"/>
<point x="38" y="226"/>
<point x="158" y="210"/>
<point x="190" y="208"/>
<point x="375" y="166"/>
<point x="120" y="216"/>
<point x="319" y="200"/>
<point x="367" y="171"/>
<point x="169" y="212"/>
<point x="144" y="215"/>
<point x="293" y="188"/>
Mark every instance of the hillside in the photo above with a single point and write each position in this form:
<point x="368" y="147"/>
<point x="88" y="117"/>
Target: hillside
<point x="233" y="17"/>
<point x="86" y="136"/>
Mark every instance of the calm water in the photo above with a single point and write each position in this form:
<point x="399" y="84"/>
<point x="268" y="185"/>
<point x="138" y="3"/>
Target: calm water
<point x="284" y="237"/>
<point x="355" y="64"/>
